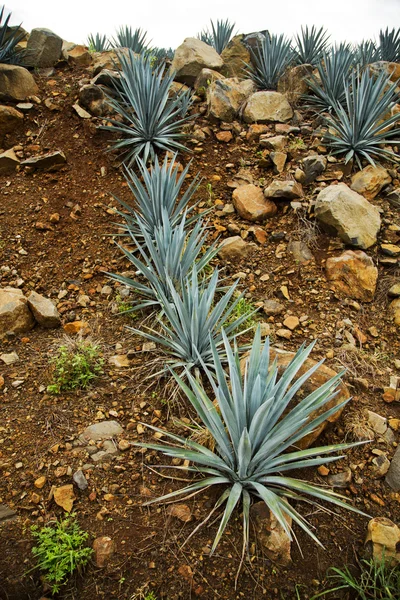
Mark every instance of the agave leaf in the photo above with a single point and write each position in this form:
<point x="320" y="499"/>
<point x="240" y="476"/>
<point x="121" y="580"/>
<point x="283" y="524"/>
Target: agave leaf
<point x="233" y="499"/>
<point x="270" y="60"/>
<point x="310" y="45"/>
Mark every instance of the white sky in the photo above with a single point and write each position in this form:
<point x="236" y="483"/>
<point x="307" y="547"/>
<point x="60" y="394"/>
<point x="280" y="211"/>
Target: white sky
<point x="168" y="22"/>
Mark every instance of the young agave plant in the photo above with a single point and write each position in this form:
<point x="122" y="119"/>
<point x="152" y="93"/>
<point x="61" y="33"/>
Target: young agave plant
<point x="9" y="53"/>
<point x="255" y="436"/>
<point x="98" y="42"/>
<point x="134" y="40"/>
<point x="366" y="53"/>
<point x="389" y="45"/>
<point x="219" y="36"/>
<point x="310" y="45"/>
<point x="152" y="120"/>
<point x="270" y="59"/>
<point x="360" y="125"/>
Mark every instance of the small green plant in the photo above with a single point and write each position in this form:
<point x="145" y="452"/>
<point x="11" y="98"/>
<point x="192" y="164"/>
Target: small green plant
<point x="76" y="365"/>
<point x="124" y="306"/>
<point x="60" y="550"/>
<point x="244" y="307"/>
<point x="297" y="143"/>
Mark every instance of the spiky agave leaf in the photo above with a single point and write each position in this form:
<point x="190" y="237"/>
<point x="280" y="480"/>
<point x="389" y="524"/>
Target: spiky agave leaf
<point x="221" y="34"/>
<point x="98" y="42"/>
<point x="389" y="45"/>
<point x="366" y="53"/>
<point x="9" y="53"/>
<point x="205" y="36"/>
<point x="270" y="59"/>
<point x="152" y="120"/>
<point x="255" y="433"/>
<point x="135" y="40"/>
<point x="360" y="125"/>
<point x="310" y="45"/>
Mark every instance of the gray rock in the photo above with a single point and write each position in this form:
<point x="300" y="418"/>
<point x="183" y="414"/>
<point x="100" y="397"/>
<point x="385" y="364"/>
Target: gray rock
<point x="16" y="83"/>
<point x="8" y="162"/>
<point x="377" y="422"/>
<point x="284" y="190"/>
<point x="267" y="107"/>
<point x="393" y="474"/>
<point x="293" y="82"/>
<point x="349" y="215"/>
<point x="80" y="480"/>
<point x="394" y="198"/>
<point x="101" y="431"/>
<point x="46" y="162"/>
<point x="313" y="166"/>
<point x="233" y="249"/>
<point x="340" y="480"/>
<point x="15" y="315"/>
<point x="191" y="57"/>
<point x="10" y="358"/>
<point x="272" y="307"/>
<point x="44" y="311"/>
<point x="44" y="48"/>
<point x="6" y="513"/>
<point x="226" y="96"/>
<point x="301" y="252"/>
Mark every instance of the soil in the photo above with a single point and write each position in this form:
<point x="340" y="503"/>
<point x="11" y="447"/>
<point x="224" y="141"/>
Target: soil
<point x="38" y="430"/>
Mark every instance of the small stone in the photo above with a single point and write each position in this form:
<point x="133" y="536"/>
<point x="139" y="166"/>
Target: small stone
<point x="390" y="249"/>
<point x="271" y="534"/>
<point x="119" y="360"/>
<point x="224" y="136"/>
<point x="180" y="511"/>
<point x="77" y="327"/>
<point x="64" y="496"/>
<point x="124" y="445"/>
<point x="381" y="465"/>
<point x="377" y="422"/>
<point x="81" y="112"/>
<point x="44" y="311"/>
<point x="284" y="333"/>
<point x="40" y="482"/>
<point x="272" y="307"/>
<point x="340" y="480"/>
<point x="323" y="471"/>
<point x="101" y="431"/>
<point x="9" y="359"/>
<point x="103" y="550"/>
<point x="393" y="474"/>
<point x="291" y="323"/>
<point x="385" y="538"/>
<point x="80" y="480"/>
<point x="35" y="498"/>
<point x="233" y="249"/>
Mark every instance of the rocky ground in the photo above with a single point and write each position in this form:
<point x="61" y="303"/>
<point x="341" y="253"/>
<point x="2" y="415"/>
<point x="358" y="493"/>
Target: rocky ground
<point x="314" y="273"/>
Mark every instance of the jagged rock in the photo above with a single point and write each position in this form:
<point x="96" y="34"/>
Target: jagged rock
<point x="251" y="204"/>
<point x="349" y="215"/>
<point x="191" y="57"/>
<point x="101" y="431"/>
<point x="103" y="550"/>
<point x="64" y="496"/>
<point x="226" y="96"/>
<point x="271" y="534"/>
<point x="16" y="83"/>
<point x="385" y="538"/>
<point x="293" y="82"/>
<point x="370" y="181"/>
<point x="284" y="190"/>
<point x="233" y="249"/>
<point x="313" y="166"/>
<point x="80" y="480"/>
<point x="279" y="161"/>
<point x="393" y="474"/>
<point x="80" y="56"/>
<point x="301" y="252"/>
<point x="204" y="79"/>
<point x="394" y="291"/>
<point x="276" y="142"/>
<point x="93" y="99"/>
<point x="391" y="69"/>
<point x="394" y="309"/>
<point x="46" y="162"/>
<point x="6" y="514"/>
<point x="235" y="56"/>
<point x="10" y="119"/>
<point x="8" y="162"/>
<point x="108" y="60"/>
<point x="15" y="315"/>
<point x="267" y="107"/>
<point x="44" y="311"/>
<point x="106" y="77"/>
<point x="81" y="112"/>
<point x="353" y="274"/>
<point x="44" y="48"/>
<point x="272" y="307"/>
<point x="255" y="131"/>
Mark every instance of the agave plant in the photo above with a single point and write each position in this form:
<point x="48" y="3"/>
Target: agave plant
<point x="360" y="127"/>
<point x="152" y="120"/>
<point x="330" y="84"/>
<point x="159" y="193"/>
<point x="366" y="53"/>
<point x="98" y="42"/>
<point x="389" y="45"/>
<point x="134" y="40"/>
<point x="9" y="53"/>
<point x="160" y="55"/>
<point x="270" y="59"/>
<point x="255" y="431"/>
<point x="169" y="256"/>
<point x="206" y="37"/>
<point x="219" y="36"/>
<point x="192" y="320"/>
<point x="310" y="45"/>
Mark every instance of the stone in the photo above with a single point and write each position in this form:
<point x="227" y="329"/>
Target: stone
<point x="275" y="142"/>
<point x="180" y="511"/>
<point x="6" y="514"/>
<point x="278" y="160"/>
<point x="284" y="333"/>
<point x="226" y="96"/>
<point x="44" y="311"/>
<point x="119" y="360"/>
<point x="103" y="548"/>
<point x="394" y="291"/>
<point x="293" y="82"/>
<point x="81" y="112"/>
<point x="394" y="309"/>
<point x="271" y="534"/>
<point x="80" y="480"/>
<point x="291" y="322"/>
<point x="8" y="162"/>
<point x="393" y="474"/>
<point x="79" y="56"/>
<point x="15" y="315"/>
<point x="107" y="60"/>
<point x="301" y="252"/>
<point x="52" y="161"/>
<point x="224" y="136"/>
<point x="272" y="307"/>
<point x="380" y="466"/>
<point x="101" y="431"/>
<point x="106" y="77"/>
<point x="390" y="249"/>
<point x="9" y="359"/>
<point x="43" y="49"/>
<point x="93" y="99"/>
<point x="250" y="203"/>
<point x="255" y="131"/>
<point x="191" y="57"/>
<point x="235" y="56"/>
<point x="10" y="119"/>
<point x="394" y="198"/>
<point x="64" y="496"/>
<point x="16" y="83"/>
<point x="349" y="215"/>
<point x="385" y="538"/>
<point x="370" y="181"/>
<point x="75" y="327"/>
<point x="353" y="274"/>
<point x="267" y="107"/>
<point x="233" y="249"/>
<point x="284" y="190"/>
<point x="340" y="480"/>
<point x="391" y="69"/>
<point x="377" y="423"/>
<point x="40" y="482"/>
<point x="313" y="166"/>
<point x="204" y="79"/>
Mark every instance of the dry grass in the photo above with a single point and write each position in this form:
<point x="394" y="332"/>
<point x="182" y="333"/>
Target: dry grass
<point x="357" y="426"/>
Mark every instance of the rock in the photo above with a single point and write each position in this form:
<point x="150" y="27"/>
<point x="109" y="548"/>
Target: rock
<point x="43" y="49"/>
<point x="103" y="548"/>
<point x="224" y="136"/>
<point x="390" y="249"/>
<point x="119" y="360"/>
<point x="81" y="112"/>
<point x="204" y="79"/>
<point x="349" y="215"/>
<point x="106" y="77"/>
<point x="10" y="358"/>
<point x="286" y="334"/>
<point x="235" y="56"/>
<point x="284" y="190"/>
<point x="377" y="423"/>
<point x="44" y="311"/>
<point x="101" y="431"/>
<point x="313" y="166"/>
<point x="370" y="181"/>
<point x="271" y="534"/>
<point x="8" y="161"/>
<point x="80" y="56"/>
<point x="381" y="465"/>
<point x="10" y="119"/>
<point x="340" y="480"/>
<point x="394" y="309"/>
<point x="391" y="69"/>
<point x="226" y="96"/>
<point x="353" y="274"/>
<point x="40" y="482"/>
<point x="272" y="307"/>
<point x="52" y="161"/>
<point x="301" y="252"/>
<point x="93" y="99"/>
<point x="15" y="315"/>
<point x="291" y="322"/>
<point x="64" y="496"/>
<point x="255" y="131"/>
<point x="80" y="480"/>
<point x="16" y="83"/>
<point x="293" y="82"/>
<point x="278" y="160"/>
<point x="251" y="204"/>
<point x="276" y="142"/>
<point x="233" y="249"/>
<point x="191" y="57"/>
<point x="394" y="198"/>
<point x="25" y="106"/>
<point x="75" y="327"/>
<point x="107" y="60"/>
<point x="267" y="107"/>
<point x="180" y="511"/>
<point x="385" y="538"/>
<point x="393" y="474"/>
<point x="6" y="514"/>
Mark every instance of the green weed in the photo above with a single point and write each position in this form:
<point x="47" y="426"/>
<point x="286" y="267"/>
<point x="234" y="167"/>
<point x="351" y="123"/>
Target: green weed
<point x="77" y="364"/>
<point x="242" y="308"/>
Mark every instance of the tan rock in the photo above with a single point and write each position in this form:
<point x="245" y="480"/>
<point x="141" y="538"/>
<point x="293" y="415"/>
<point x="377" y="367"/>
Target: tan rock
<point x="64" y="496"/>
<point x="267" y="107"/>
<point x="204" y="79"/>
<point x="233" y="249"/>
<point x="8" y="162"/>
<point x="43" y="310"/>
<point x="275" y="142"/>
<point x="10" y="119"/>
<point x="385" y="538"/>
<point x="291" y="322"/>
<point x="77" y="327"/>
<point x="16" y="83"/>
<point x="104" y="548"/>
<point x="15" y="315"/>
<point x="293" y="83"/>
<point x="271" y="534"/>
<point x="191" y="57"/>
<point x="80" y="56"/>
<point x="370" y="181"/>
<point x="226" y="96"/>
<point x="255" y="131"/>
<point x="40" y="482"/>
<point x="235" y="56"/>
<point x="279" y="161"/>
<point x="180" y="511"/>
<point x="250" y="203"/>
<point x="284" y="190"/>
<point x="394" y="308"/>
<point x="224" y="136"/>
<point x="353" y="274"/>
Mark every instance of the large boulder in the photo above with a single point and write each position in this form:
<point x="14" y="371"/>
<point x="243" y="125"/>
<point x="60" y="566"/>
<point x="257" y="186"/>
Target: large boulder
<point x="15" y="315"/>
<point x="10" y="119"/>
<point x="293" y="82"/>
<point x="191" y="57"/>
<point x="44" y="48"/>
<point x="353" y="274"/>
<point x="370" y="181"/>
<point x="267" y="107"/>
<point x="16" y="83"/>
<point x="226" y="96"/>
<point x="79" y="56"/>
<point x="204" y="79"/>
<point x="349" y="215"/>
<point x="251" y="203"/>
<point x="235" y="56"/>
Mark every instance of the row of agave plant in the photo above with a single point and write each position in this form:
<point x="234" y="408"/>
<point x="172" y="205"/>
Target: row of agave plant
<point x="255" y="421"/>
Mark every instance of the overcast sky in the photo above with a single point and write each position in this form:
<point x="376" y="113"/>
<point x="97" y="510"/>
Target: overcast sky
<point x="168" y="22"/>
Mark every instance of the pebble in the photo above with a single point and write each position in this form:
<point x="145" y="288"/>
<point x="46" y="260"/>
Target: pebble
<point x="9" y="359"/>
<point x="40" y="482"/>
<point x="80" y="480"/>
<point x="291" y="323"/>
<point x="340" y="480"/>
